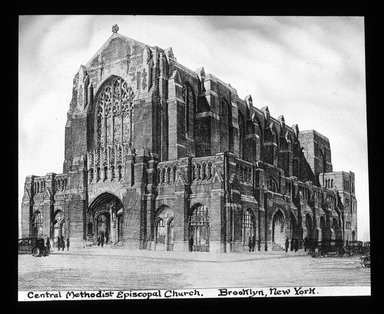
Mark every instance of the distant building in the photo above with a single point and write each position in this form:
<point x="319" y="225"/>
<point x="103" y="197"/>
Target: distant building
<point x="161" y="157"/>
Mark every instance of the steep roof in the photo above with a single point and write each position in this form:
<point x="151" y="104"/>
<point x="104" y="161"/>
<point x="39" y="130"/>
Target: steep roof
<point x="107" y="43"/>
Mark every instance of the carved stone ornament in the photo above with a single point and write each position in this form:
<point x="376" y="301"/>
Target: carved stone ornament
<point x="115" y="28"/>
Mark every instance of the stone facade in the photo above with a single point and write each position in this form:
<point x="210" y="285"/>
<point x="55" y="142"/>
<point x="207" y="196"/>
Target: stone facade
<point x="161" y="157"/>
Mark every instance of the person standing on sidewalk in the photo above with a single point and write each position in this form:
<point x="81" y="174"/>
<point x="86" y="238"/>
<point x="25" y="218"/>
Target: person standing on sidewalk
<point x="48" y="244"/>
<point x="62" y="244"/>
<point x="58" y="243"/>
<point x="286" y="245"/>
<point x="67" y="244"/>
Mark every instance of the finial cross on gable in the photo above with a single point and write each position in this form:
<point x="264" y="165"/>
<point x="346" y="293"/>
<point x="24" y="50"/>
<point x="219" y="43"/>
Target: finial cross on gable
<point x="115" y="28"/>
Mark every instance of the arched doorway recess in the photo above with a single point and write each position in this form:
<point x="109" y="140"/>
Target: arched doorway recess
<point x="198" y="229"/>
<point x="164" y="229"/>
<point x="105" y="219"/>
<point x="278" y="228"/>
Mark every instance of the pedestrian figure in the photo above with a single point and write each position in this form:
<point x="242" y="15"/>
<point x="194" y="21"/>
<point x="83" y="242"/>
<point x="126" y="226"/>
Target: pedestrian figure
<point x="62" y="244"/>
<point x="102" y="239"/>
<point x="191" y="243"/>
<point x="250" y="244"/>
<point x="315" y="243"/>
<point x="296" y="245"/>
<point x="292" y="244"/>
<point x="253" y="243"/>
<point x="48" y="244"/>
<point x="58" y="243"/>
<point x="67" y="244"/>
<point x="106" y="237"/>
<point x="305" y="244"/>
<point x="98" y="241"/>
<point x="286" y="245"/>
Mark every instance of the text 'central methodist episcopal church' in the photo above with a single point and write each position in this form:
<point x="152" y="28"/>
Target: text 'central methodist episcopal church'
<point x="161" y="157"/>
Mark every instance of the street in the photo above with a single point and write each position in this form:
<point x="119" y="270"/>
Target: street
<point x="119" y="269"/>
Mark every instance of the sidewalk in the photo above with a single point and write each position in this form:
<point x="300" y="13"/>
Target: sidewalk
<point x="191" y="256"/>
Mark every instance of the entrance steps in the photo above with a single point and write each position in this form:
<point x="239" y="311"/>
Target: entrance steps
<point x="277" y="247"/>
<point x="109" y="245"/>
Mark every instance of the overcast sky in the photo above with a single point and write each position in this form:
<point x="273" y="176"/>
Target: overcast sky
<point x="309" y="69"/>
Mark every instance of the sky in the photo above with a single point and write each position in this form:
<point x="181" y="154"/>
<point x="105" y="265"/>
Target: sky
<point x="309" y="69"/>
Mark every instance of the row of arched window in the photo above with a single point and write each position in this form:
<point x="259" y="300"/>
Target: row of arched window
<point x="167" y="175"/>
<point x="112" y="155"/>
<point x="38" y="186"/>
<point x="244" y="173"/>
<point x="61" y="183"/>
<point x="202" y="171"/>
<point x="103" y="174"/>
<point x="304" y="191"/>
<point x="329" y="183"/>
<point x="247" y="146"/>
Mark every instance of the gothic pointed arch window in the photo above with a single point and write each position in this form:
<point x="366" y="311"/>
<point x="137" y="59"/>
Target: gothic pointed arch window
<point x="249" y="227"/>
<point x="114" y="110"/>
<point x="189" y="116"/>
<point x="241" y="135"/>
<point x="272" y="185"/>
<point x="226" y="125"/>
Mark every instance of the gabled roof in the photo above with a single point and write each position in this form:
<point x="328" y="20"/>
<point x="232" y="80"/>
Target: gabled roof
<point x="105" y="45"/>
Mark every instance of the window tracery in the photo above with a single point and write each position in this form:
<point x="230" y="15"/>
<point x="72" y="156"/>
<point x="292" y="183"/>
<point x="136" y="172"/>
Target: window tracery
<point x="114" y="114"/>
<point x="188" y="98"/>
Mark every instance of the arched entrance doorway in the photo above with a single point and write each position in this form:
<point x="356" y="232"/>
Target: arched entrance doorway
<point x="337" y="233"/>
<point x="278" y="228"/>
<point x="249" y="230"/>
<point x="322" y="228"/>
<point x="105" y="219"/>
<point x="164" y="233"/>
<point x="37" y="225"/>
<point x="198" y="229"/>
<point x="58" y="227"/>
<point x="309" y="226"/>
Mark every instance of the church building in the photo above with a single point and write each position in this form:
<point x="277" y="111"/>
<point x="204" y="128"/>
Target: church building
<point x="160" y="157"/>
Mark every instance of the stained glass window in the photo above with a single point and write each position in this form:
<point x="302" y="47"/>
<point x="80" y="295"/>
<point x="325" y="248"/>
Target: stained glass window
<point x="114" y="113"/>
